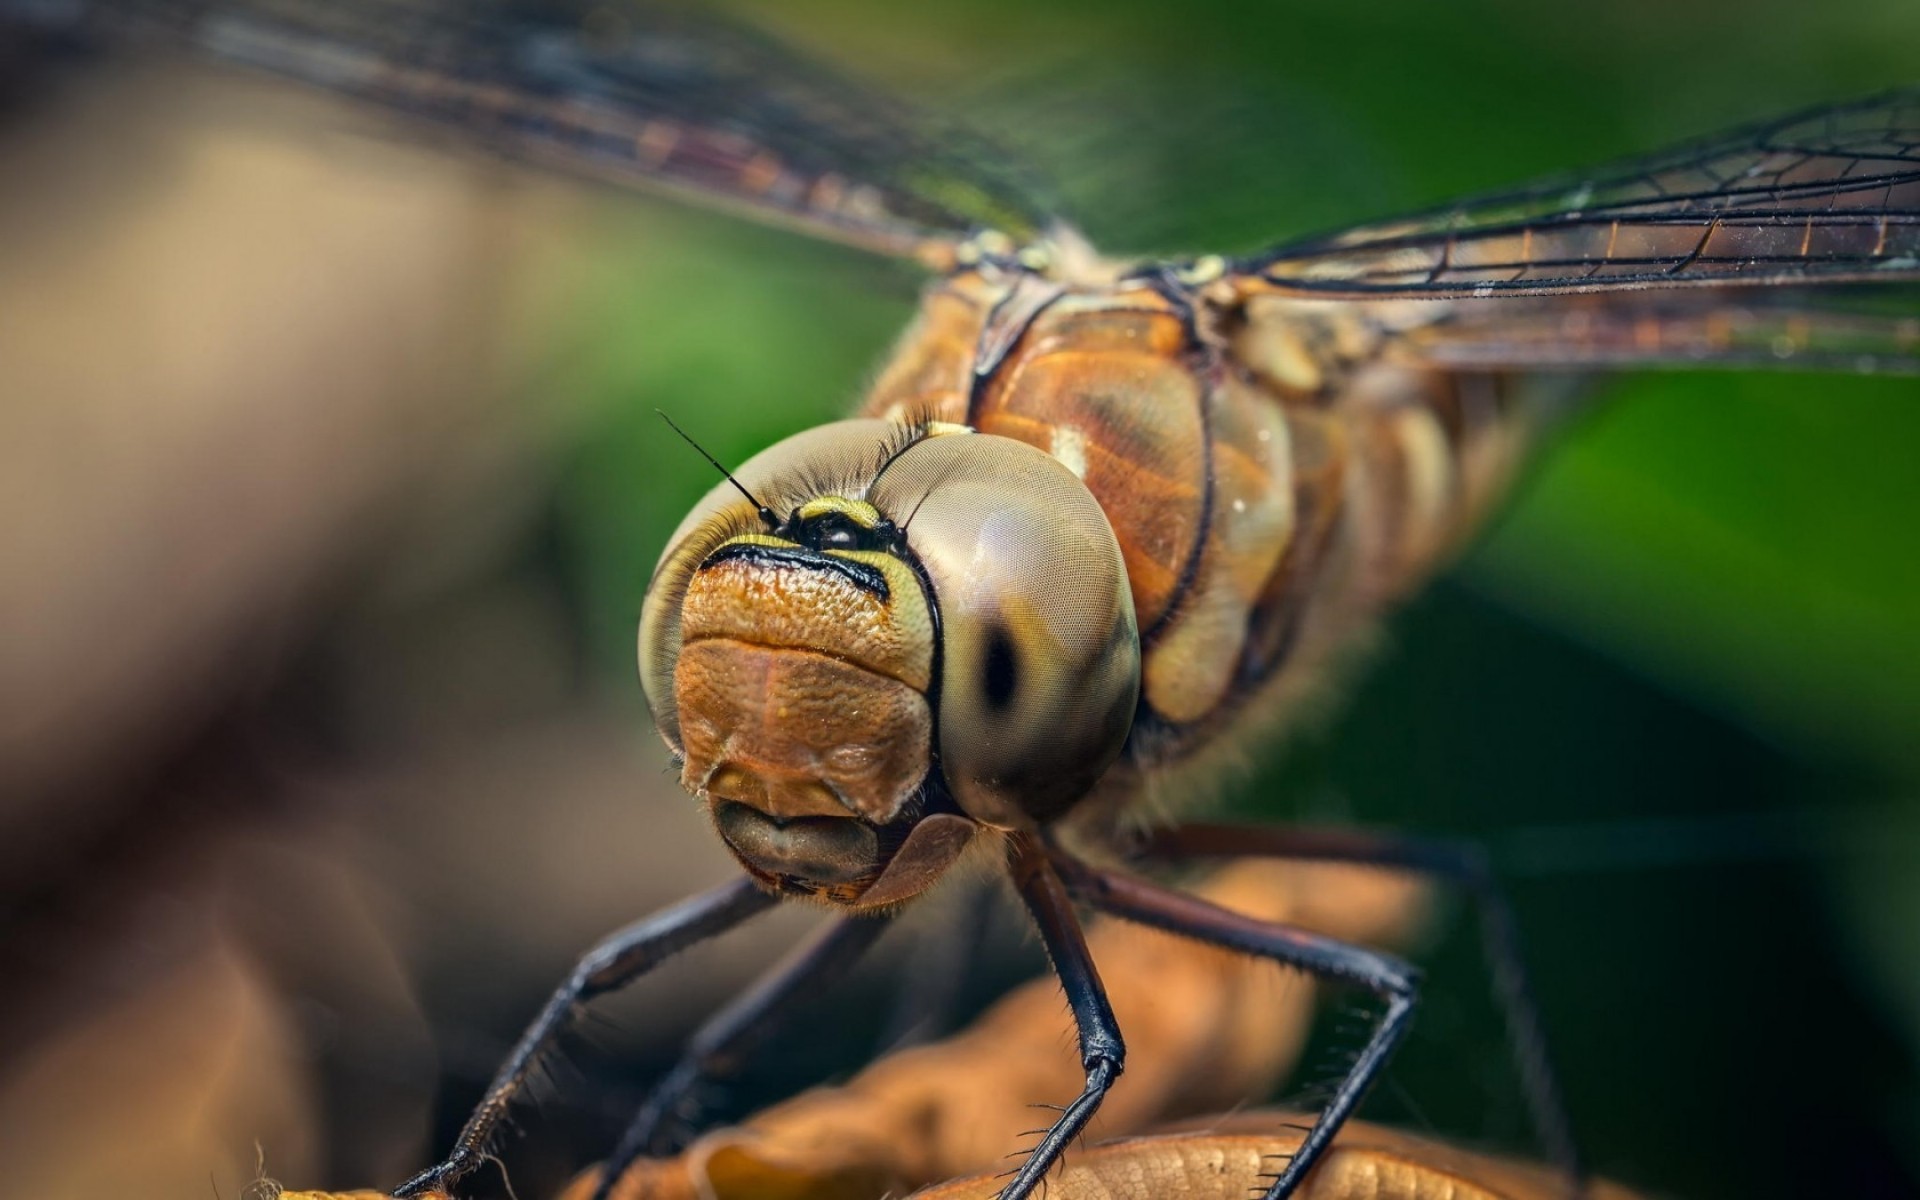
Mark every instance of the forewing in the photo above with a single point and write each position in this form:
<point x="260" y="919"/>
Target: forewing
<point x="1697" y="330"/>
<point x="616" y="91"/>
<point x="1821" y="196"/>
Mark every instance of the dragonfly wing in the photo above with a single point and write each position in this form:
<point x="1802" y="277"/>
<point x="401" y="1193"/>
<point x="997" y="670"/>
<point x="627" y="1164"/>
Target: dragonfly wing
<point x="1821" y="196"/>
<point x="620" y="92"/>
<point x="1714" y="330"/>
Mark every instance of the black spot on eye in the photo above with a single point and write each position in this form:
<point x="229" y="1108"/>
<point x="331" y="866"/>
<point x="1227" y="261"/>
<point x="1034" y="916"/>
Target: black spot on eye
<point x="1000" y="672"/>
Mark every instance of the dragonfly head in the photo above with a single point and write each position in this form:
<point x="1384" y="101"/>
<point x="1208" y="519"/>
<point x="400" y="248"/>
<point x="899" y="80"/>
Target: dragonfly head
<point x="916" y="635"/>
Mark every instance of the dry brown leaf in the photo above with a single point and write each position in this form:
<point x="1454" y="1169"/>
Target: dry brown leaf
<point x="1205" y="1029"/>
<point x="267" y="1189"/>
<point x="1234" y="1157"/>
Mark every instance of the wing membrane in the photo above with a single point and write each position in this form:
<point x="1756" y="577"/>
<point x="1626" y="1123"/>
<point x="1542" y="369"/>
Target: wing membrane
<point x="618" y="91"/>
<point x="1820" y="196"/>
<point x="1717" y="333"/>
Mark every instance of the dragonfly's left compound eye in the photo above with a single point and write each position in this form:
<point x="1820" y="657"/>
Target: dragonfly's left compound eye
<point x="1040" y="654"/>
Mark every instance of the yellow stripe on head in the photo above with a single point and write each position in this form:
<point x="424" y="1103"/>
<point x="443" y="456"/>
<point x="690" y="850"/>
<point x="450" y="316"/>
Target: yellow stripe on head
<point x="858" y="511"/>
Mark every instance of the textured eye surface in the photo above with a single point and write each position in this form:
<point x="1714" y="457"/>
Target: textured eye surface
<point x="1041" y="651"/>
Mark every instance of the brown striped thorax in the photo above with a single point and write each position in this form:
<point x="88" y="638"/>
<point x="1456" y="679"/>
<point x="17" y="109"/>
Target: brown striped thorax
<point x="1079" y="525"/>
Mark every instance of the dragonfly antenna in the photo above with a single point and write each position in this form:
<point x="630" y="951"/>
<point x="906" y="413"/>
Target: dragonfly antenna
<point x="766" y="514"/>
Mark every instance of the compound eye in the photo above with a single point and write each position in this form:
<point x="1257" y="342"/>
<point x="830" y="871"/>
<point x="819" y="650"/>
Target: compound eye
<point x="1041" y="670"/>
<point x="1000" y="671"/>
<point x="842" y="450"/>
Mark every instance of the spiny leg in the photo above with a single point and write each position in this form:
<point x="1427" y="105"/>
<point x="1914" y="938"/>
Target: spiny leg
<point x="611" y="965"/>
<point x="1392" y="980"/>
<point x="721" y="1045"/>
<point x="1458" y="863"/>
<point x="1102" y="1052"/>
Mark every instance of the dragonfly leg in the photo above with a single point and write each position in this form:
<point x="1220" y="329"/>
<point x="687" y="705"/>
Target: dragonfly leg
<point x="1392" y="980"/>
<point x="1102" y="1052"/>
<point x="1460" y="863"/>
<point x="609" y="966"/>
<point x="725" y="1040"/>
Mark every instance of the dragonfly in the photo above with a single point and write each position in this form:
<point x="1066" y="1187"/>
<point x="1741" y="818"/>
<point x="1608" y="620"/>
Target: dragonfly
<point x="1097" y="519"/>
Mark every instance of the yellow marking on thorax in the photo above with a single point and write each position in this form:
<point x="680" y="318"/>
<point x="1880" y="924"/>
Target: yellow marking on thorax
<point x="1189" y="671"/>
<point x="1430" y="467"/>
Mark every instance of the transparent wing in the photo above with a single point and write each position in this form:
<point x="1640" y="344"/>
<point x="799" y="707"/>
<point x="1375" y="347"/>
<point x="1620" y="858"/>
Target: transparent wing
<point x="1695" y="331"/>
<point x="1821" y="196"/>
<point x="617" y="91"/>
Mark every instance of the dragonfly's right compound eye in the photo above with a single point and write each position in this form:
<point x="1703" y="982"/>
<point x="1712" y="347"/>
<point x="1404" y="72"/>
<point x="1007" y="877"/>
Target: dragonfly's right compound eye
<point x="792" y="672"/>
<point x="842" y="447"/>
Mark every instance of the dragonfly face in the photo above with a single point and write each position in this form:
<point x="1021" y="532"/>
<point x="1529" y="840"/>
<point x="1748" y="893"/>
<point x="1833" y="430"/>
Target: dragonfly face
<point x="939" y="633"/>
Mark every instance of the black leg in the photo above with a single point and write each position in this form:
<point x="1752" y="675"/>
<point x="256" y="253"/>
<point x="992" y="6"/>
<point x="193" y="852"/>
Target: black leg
<point x="1384" y="976"/>
<point x="729" y="1036"/>
<point x="611" y="965"/>
<point x="1461" y="864"/>
<point x="1102" y="1052"/>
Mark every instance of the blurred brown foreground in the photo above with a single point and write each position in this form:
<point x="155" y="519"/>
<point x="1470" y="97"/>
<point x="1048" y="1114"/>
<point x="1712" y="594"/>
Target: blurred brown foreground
<point x="1205" y="1030"/>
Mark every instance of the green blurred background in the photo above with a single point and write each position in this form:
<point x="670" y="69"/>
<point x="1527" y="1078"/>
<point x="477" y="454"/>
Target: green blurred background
<point x="1676" y="688"/>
